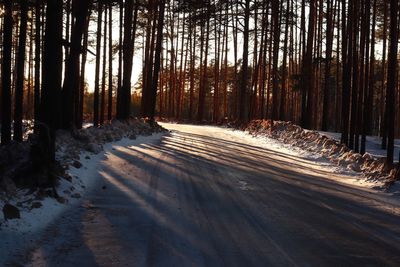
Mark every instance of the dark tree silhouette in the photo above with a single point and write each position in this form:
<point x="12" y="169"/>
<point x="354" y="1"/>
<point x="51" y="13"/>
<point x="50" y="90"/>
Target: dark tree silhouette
<point x="6" y="74"/>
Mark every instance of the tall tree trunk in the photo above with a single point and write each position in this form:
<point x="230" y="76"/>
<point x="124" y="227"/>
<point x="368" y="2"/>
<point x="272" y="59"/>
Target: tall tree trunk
<point x="328" y="62"/>
<point x="52" y="78"/>
<point x="308" y="70"/>
<point x="192" y="38"/>
<point x="217" y="46"/>
<point x="347" y="67"/>
<point x="355" y="75"/>
<point x="203" y="82"/>
<point x="383" y="127"/>
<point x="282" y="114"/>
<point x="97" y="71"/>
<point x="172" y="77"/>
<point x="148" y="56"/>
<point x="265" y="81"/>
<point x="269" y="70"/>
<point x="28" y="109"/>
<point x="120" y="57"/>
<point x="103" y="73"/>
<point x="243" y="93"/>
<point x="82" y="82"/>
<point x="157" y="61"/>
<point x="38" y="47"/>
<point x="368" y="79"/>
<point x="110" y="64"/>
<point x="123" y="107"/>
<point x="180" y="90"/>
<point x="71" y="81"/>
<point x="68" y="24"/>
<point x="275" y="59"/>
<point x="19" y="90"/>
<point x="361" y="72"/>
<point x="339" y="61"/>
<point x="225" y="75"/>
<point x="392" y="79"/>
<point x="6" y="74"/>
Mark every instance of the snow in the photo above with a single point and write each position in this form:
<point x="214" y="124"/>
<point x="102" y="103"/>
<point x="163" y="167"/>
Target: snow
<point x="27" y="128"/>
<point x="288" y="143"/>
<point x="180" y="156"/>
<point x="375" y="172"/>
<point x="37" y="219"/>
<point x="83" y="149"/>
<point x="92" y="138"/>
<point x="16" y="234"/>
<point x="373" y="145"/>
<point x="343" y="174"/>
<point x="310" y="158"/>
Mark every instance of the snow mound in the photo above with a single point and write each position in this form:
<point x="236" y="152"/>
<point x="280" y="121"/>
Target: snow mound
<point x="75" y="151"/>
<point x="373" y="169"/>
<point x="91" y="139"/>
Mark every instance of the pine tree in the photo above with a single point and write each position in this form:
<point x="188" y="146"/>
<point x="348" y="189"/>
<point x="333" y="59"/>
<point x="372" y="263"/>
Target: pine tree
<point x="6" y="74"/>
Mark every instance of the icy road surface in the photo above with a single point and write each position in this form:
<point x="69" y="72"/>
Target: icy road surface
<point x="207" y="196"/>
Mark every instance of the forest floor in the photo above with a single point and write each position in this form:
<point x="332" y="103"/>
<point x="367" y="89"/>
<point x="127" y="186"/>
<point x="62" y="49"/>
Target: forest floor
<point x="211" y="196"/>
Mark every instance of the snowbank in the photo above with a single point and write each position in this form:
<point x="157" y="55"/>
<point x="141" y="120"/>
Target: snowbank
<point x="18" y="235"/>
<point x="373" y="145"/>
<point x="78" y="153"/>
<point x="288" y="133"/>
<point x="91" y="139"/>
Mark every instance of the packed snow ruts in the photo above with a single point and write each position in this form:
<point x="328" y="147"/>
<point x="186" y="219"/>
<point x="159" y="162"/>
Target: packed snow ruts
<point x="313" y="141"/>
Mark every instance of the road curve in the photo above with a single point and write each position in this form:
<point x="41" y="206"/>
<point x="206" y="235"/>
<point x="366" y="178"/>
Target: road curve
<point x="202" y="196"/>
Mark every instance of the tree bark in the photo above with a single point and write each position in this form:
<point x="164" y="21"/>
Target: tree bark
<point x="38" y="47"/>
<point x="52" y="78"/>
<point x="96" y="100"/>
<point x="19" y="90"/>
<point x="308" y="71"/>
<point x="392" y="79"/>
<point x="123" y="106"/>
<point x="103" y="72"/>
<point x="80" y="11"/>
<point x="157" y="61"/>
<point x="243" y="94"/>
<point x="110" y="64"/>
<point x="6" y="74"/>
<point x="328" y="63"/>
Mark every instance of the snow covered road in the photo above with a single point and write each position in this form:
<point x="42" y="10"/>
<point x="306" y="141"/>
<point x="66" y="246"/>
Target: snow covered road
<point x="208" y="196"/>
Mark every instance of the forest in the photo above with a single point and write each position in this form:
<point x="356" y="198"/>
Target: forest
<point x="326" y="65"/>
<point x="199" y="133"/>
